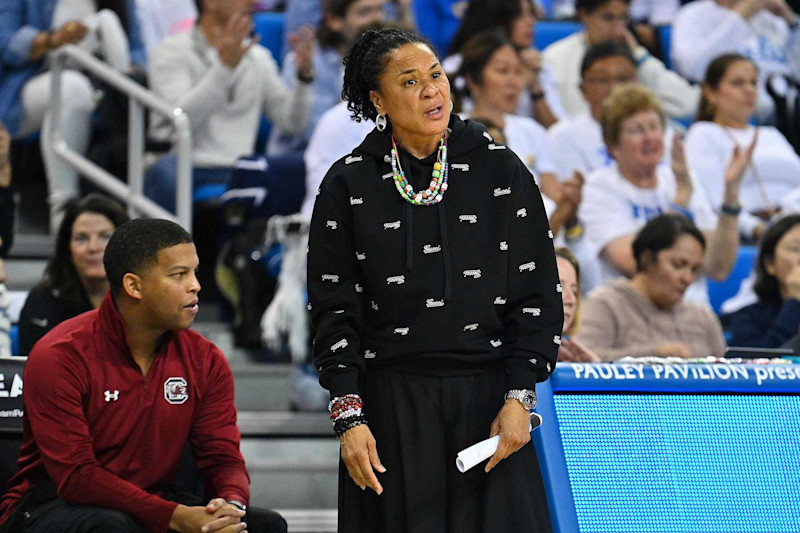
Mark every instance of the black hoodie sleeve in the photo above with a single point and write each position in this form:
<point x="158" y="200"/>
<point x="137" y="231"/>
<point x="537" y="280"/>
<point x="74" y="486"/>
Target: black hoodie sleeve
<point x="534" y="315"/>
<point x="333" y="283"/>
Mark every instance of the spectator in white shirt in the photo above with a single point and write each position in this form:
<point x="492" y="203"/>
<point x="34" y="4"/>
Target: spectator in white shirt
<point x="334" y="137"/>
<point x="607" y="20"/>
<point x="730" y="92"/>
<point x="224" y="82"/>
<point x="619" y="200"/>
<point x="516" y="20"/>
<point x="767" y="31"/>
<point x="577" y="142"/>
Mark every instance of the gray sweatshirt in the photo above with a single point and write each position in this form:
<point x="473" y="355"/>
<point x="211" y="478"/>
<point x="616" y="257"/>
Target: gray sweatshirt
<point x="619" y="322"/>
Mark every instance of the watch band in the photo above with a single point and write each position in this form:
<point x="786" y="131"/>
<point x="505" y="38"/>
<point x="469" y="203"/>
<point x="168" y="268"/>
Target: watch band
<point x="526" y="397"/>
<point x="237" y="503"/>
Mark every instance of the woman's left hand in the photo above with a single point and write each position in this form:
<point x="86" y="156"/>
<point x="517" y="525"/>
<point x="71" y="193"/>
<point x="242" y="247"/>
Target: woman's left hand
<point x="513" y="424"/>
<point x="681" y="171"/>
<point x="532" y="67"/>
<point x="302" y="43"/>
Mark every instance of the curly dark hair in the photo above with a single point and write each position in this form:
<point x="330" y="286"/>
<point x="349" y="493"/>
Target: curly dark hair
<point x="60" y="274"/>
<point x="365" y="64"/>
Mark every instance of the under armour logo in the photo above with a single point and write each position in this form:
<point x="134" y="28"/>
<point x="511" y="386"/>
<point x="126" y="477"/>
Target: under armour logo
<point x="112" y="396"/>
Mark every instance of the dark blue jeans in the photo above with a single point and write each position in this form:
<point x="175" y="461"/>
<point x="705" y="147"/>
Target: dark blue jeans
<point x="161" y="178"/>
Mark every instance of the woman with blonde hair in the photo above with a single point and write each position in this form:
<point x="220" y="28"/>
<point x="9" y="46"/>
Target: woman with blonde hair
<point x="619" y="200"/>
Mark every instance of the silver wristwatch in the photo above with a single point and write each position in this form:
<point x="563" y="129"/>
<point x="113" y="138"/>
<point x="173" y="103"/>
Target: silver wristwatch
<point x="526" y="397"/>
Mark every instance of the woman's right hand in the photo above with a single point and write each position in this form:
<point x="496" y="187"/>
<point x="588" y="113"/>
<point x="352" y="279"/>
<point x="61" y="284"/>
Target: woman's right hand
<point x="70" y="33"/>
<point x="360" y="455"/>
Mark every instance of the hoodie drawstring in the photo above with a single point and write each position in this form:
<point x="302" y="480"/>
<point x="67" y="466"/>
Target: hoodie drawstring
<point x="409" y="238"/>
<point x="448" y="278"/>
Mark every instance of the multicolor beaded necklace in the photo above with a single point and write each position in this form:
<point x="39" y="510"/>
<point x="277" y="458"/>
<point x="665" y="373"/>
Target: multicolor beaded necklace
<point x="435" y="192"/>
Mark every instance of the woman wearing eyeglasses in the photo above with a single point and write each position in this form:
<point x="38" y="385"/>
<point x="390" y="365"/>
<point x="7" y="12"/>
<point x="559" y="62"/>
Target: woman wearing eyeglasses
<point x="619" y="200"/>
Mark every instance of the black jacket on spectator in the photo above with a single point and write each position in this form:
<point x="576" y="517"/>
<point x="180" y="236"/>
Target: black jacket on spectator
<point x="44" y="310"/>
<point x="443" y="289"/>
<point x="765" y="324"/>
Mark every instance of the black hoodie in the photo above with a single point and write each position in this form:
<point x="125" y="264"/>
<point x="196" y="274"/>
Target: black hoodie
<point x="442" y="289"/>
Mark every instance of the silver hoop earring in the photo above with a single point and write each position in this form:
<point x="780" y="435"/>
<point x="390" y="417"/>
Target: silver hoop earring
<point x="451" y="106"/>
<point x="380" y="122"/>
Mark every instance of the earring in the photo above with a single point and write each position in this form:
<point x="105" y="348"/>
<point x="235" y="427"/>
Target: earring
<point x="451" y="106"/>
<point x="380" y="122"/>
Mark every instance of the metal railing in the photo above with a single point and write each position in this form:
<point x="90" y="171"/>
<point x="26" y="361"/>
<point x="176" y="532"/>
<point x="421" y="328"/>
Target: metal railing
<point x="139" y="98"/>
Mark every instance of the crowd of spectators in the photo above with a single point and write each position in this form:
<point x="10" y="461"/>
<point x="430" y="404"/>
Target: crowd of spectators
<point x="637" y="163"/>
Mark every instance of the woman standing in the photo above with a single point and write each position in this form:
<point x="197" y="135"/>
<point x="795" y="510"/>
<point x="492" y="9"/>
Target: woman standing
<point x="435" y="298"/>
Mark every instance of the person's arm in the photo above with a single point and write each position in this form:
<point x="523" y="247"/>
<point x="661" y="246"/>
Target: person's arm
<point x="607" y="221"/>
<point x="532" y="340"/>
<point x="708" y="163"/>
<point x="215" y="436"/>
<point x="170" y="77"/>
<point x="723" y="243"/>
<point x="619" y="252"/>
<point x="39" y="315"/>
<point x="56" y="386"/>
<point x="695" y="42"/>
<point x="288" y="107"/>
<point x="678" y="97"/>
<point x="21" y="43"/>
<point x="138" y="52"/>
<point x="334" y="287"/>
<point x="17" y="39"/>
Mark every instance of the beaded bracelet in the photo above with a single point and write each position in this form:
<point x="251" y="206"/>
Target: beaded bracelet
<point x="346" y="413"/>
<point x="344" y="424"/>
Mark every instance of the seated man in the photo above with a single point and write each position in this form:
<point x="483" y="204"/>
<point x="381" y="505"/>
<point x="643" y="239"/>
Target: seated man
<point x="577" y="141"/>
<point x="606" y="20"/>
<point x="224" y="82"/>
<point x="112" y="396"/>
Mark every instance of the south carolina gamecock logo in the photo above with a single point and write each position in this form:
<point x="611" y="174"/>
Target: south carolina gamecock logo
<point x="176" y="391"/>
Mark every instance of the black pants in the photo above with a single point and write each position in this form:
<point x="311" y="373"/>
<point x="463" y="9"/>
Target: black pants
<point x="57" y="516"/>
<point x="420" y="423"/>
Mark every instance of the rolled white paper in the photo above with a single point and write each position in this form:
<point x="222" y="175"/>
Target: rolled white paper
<point x="469" y="457"/>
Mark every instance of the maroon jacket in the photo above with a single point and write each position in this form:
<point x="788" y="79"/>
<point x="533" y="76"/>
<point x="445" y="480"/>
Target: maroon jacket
<point x="109" y="437"/>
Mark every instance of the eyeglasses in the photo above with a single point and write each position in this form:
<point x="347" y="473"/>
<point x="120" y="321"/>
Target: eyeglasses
<point x="608" y="82"/>
<point x="641" y="131"/>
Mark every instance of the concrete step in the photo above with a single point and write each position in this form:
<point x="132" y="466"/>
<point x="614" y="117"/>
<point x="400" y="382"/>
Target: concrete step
<point x="310" y="520"/>
<point x="293" y="473"/>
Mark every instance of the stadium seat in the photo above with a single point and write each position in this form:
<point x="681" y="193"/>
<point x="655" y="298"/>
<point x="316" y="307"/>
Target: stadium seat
<point x="548" y="32"/>
<point x="719" y="291"/>
<point x="270" y="27"/>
